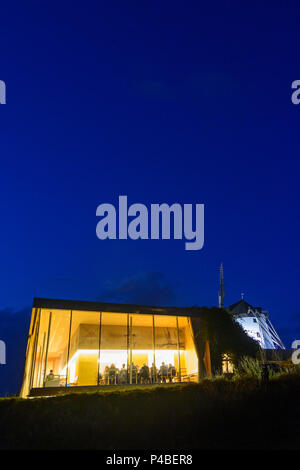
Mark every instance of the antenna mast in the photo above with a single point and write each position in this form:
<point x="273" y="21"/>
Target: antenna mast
<point x="222" y="289"/>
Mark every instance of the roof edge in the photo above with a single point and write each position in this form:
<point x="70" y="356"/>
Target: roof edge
<point x="95" y="306"/>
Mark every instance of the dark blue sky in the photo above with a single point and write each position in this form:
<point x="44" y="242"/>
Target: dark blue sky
<point x="164" y="102"/>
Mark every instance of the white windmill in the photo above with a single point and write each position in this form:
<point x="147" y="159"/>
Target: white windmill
<point x="254" y="320"/>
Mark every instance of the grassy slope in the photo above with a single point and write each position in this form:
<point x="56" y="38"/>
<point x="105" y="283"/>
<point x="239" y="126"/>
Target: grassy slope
<point x="214" y="414"/>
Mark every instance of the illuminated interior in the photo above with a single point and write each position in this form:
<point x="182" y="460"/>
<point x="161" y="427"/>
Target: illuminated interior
<point x="87" y="348"/>
<point x="227" y="364"/>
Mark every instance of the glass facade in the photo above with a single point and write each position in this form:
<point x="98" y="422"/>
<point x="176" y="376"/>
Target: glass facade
<point x="41" y="348"/>
<point x="72" y="348"/>
<point x="82" y="353"/>
<point x="113" y="348"/>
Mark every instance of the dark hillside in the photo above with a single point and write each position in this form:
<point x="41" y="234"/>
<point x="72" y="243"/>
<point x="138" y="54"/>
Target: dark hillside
<point x="219" y="414"/>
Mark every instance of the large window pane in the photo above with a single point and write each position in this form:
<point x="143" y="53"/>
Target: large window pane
<point x="54" y="374"/>
<point x="39" y="368"/>
<point x="141" y="353"/>
<point x="83" y="351"/>
<point x="188" y="355"/>
<point x="113" y="349"/>
<point x="166" y="348"/>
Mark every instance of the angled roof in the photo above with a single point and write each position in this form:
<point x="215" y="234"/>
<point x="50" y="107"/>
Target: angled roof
<point x="84" y="305"/>
<point x="241" y="307"/>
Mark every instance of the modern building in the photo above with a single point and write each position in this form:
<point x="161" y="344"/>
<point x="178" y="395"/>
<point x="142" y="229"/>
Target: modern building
<point x="76" y="344"/>
<point x="87" y="344"/>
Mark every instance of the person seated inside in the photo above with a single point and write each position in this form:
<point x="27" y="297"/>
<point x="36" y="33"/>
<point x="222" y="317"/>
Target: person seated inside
<point x="134" y="373"/>
<point x="99" y="377"/>
<point x="144" y="374"/>
<point x="52" y="380"/>
<point x="163" y="372"/>
<point x="123" y="375"/>
<point x="171" y="372"/>
<point x="50" y="376"/>
<point x="153" y="373"/>
<point x="106" y="375"/>
<point x="138" y="377"/>
<point x="113" y="374"/>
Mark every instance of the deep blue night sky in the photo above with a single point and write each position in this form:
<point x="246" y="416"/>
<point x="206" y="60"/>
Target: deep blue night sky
<point x="163" y="102"/>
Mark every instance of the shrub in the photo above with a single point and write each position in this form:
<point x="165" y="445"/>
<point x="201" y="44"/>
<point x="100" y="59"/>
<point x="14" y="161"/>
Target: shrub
<point x="250" y="367"/>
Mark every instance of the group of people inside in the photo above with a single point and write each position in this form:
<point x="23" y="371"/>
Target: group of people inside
<point x="138" y="375"/>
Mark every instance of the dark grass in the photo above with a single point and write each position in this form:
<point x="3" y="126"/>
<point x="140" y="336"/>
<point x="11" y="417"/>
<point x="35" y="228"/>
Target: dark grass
<point x="219" y="414"/>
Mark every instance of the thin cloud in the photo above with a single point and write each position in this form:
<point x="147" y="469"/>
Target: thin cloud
<point x="147" y="288"/>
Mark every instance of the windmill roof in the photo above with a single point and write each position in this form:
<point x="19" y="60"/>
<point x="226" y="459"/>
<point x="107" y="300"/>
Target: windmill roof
<point x="241" y="307"/>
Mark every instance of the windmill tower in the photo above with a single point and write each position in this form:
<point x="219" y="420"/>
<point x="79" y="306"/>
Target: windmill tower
<point x="257" y="324"/>
<point x="254" y="320"/>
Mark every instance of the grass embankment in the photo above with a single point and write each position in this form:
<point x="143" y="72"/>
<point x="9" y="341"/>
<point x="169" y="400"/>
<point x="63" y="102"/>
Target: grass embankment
<point x="219" y="414"/>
